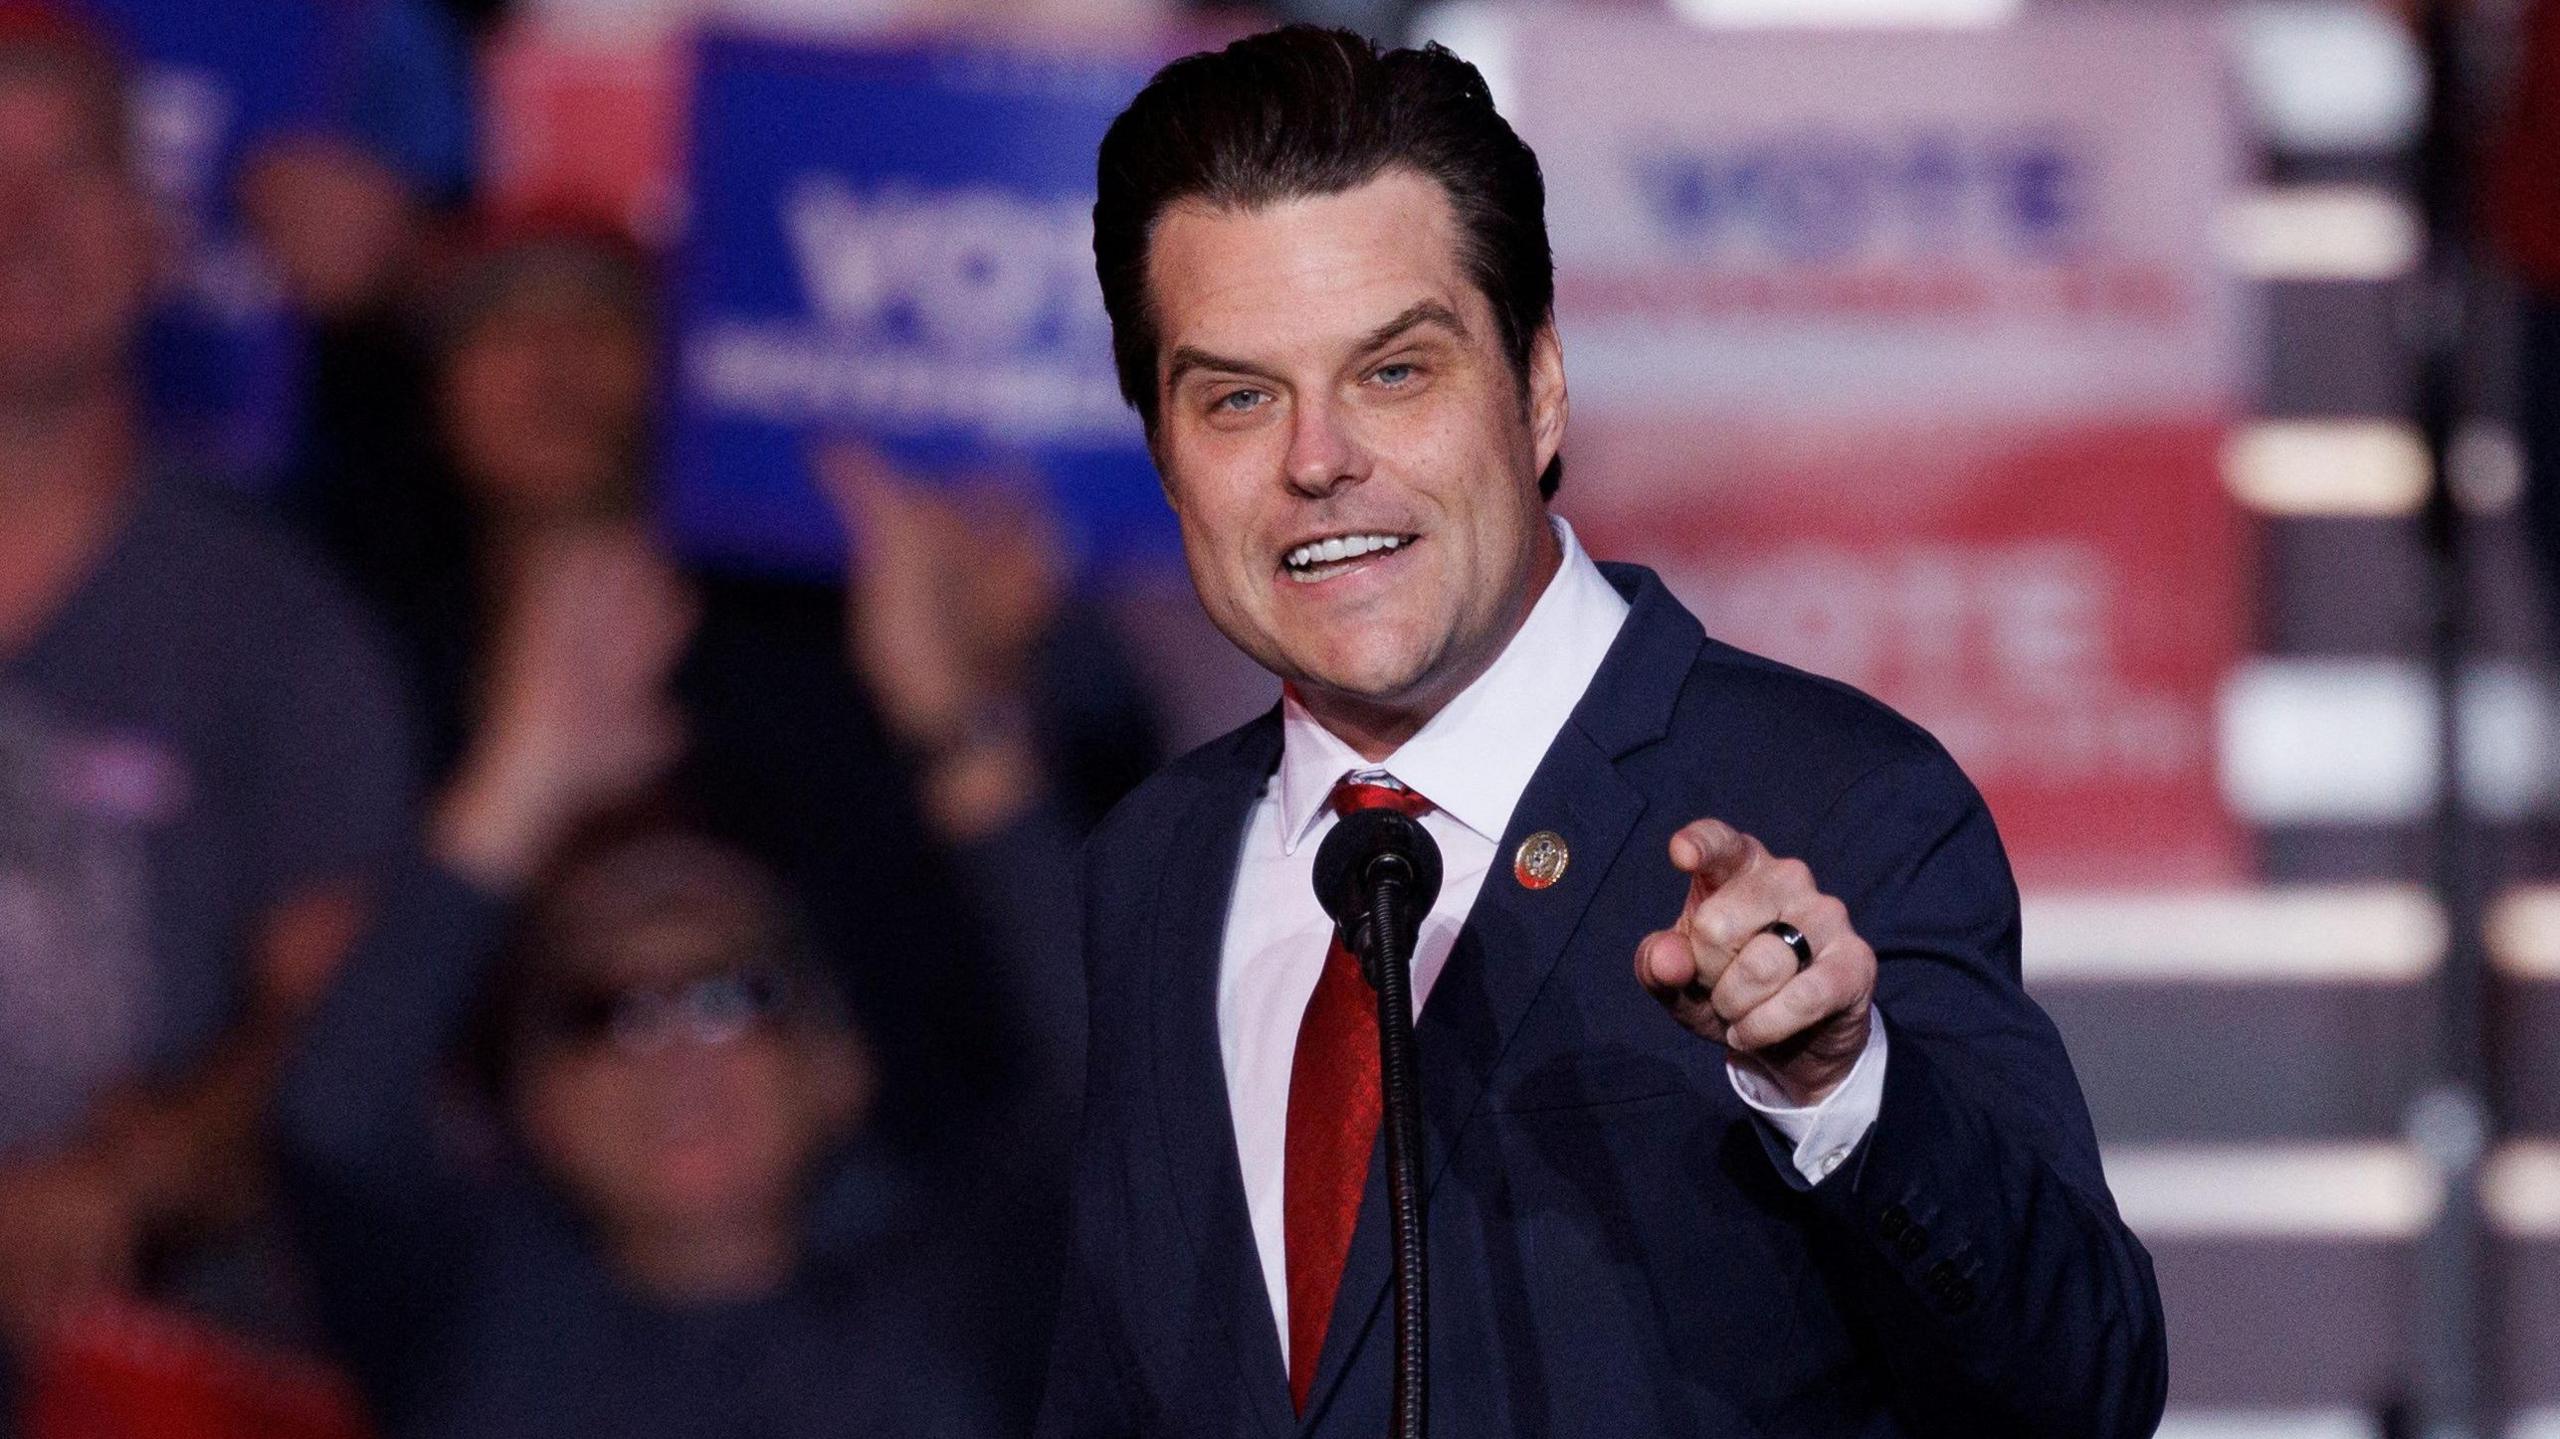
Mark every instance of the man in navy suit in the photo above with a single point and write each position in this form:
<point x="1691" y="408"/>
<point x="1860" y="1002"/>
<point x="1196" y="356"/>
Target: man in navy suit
<point x="1817" y="1167"/>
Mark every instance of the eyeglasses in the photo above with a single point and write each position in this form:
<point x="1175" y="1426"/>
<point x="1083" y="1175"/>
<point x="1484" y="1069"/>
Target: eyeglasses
<point x="641" y="1019"/>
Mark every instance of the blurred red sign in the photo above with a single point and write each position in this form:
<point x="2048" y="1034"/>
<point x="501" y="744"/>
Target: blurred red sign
<point x="2057" y="604"/>
<point x="136" y="1371"/>
<point x="588" y="124"/>
<point x="1906" y="357"/>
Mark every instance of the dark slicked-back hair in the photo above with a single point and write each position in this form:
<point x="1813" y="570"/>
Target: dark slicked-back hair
<point x="1303" y="111"/>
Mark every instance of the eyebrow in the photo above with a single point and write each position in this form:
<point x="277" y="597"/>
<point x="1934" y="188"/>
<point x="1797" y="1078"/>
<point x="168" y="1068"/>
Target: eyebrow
<point x="1426" y="312"/>
<point x="1187" y="358"/>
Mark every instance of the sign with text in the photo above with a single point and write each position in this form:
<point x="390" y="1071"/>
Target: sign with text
<point x="1906" y="358"/>
<point x="894" y="247"/>
<point x="221" y="360"/>
<point x="224" y="368"/>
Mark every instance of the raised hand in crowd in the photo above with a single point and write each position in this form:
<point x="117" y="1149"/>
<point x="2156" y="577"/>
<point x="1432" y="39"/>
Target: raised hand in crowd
<point x="576" y="713"/>
<point x="949" y="593"/>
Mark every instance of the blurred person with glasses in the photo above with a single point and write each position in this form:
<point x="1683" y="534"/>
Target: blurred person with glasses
<point x="660" y="1209"/>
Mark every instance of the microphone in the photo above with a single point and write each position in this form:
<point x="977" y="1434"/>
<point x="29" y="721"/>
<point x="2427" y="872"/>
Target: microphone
<point x="1369" y="846"/>
<point x="1377" y="874"/>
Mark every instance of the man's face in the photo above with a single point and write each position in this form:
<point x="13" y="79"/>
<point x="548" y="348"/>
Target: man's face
<point x="75" y="249"/>
<point x="544" y="400"/>
<point x="1345" y="443"/>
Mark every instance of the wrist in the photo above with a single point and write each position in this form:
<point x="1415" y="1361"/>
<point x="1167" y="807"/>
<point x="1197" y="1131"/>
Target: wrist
<point x="1815" y="1067"/>
<point x="1776" y="1087"/>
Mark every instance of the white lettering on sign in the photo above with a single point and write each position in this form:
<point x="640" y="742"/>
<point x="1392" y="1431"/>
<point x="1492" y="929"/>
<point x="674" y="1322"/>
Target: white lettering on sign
<point x="966" y="309"/>
<point x="2002" y="650"/>
<point x="2026" y="617"/>
<point x="790" y="375"/>
<point x="973" y="272"/>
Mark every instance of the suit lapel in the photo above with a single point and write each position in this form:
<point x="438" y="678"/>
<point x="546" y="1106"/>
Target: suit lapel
<point x="1190" y="1073"/>
<point x="1514" y="937"/>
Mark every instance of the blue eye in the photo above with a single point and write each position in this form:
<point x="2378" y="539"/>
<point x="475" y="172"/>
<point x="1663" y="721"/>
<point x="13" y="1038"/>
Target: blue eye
<point x="1237" y="402"/>
<point x="1392" y="376"/>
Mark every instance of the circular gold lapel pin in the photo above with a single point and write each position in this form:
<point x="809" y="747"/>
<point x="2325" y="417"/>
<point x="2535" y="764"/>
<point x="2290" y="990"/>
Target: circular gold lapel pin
<point x="1541" y="860"/>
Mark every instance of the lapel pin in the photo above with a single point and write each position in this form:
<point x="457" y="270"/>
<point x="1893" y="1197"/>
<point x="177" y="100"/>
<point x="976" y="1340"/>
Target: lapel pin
<point x="1541" y="860"/>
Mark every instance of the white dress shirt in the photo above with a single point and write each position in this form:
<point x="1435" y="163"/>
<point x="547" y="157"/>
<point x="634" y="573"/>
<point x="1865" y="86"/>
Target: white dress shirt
<point x="1472" y="760"/>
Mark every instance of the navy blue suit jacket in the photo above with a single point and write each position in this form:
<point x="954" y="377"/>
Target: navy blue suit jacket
<point x="1619" y="1247"/>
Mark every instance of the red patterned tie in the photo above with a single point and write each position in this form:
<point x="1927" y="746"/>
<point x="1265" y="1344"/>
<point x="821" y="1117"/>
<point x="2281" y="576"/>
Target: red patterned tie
<point x="1333" y="1122"/>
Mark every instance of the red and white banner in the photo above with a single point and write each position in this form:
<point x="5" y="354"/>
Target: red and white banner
<point x="1906" y="357"/>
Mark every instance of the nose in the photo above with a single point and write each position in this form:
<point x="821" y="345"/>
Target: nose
<point x="1324" y="453"/>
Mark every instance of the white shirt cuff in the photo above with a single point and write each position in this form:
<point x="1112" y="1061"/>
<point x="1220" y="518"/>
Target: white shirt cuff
<point x="1825" y="1133"/>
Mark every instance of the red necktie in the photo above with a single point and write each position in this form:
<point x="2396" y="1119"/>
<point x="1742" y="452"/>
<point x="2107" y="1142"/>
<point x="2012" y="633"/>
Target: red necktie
<point x="1333" y="1122"/>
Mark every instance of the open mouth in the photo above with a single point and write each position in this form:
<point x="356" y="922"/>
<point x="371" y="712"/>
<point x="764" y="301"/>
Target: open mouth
<point x="1323" y="559"/>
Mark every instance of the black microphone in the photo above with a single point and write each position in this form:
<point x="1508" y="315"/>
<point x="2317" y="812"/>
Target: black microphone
<point x="1377" y="874"/>
<point x="1369" y="846"/>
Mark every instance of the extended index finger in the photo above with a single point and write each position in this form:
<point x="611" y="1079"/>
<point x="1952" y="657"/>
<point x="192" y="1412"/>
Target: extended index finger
<point x="1711" y="852"/>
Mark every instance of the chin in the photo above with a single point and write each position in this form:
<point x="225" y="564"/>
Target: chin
<point x="1388" y="665"/>
<point x="1383" y="686"/>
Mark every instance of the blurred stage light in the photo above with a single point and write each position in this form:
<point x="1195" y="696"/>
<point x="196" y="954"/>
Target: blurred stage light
<point x="2522" y="1187"/>
<point x="2311" y="741"/>
<point x="1816" y="14"/>
<point x="2319" y="934"/>
<point x="2524" y="935"/>
<point x="2327" y="741"/>
<point x="2321" y="232"/>
<point x="2371" y="1190"/>
<point x="2327" y="75"/>
<point x="2184" y="1423"/>
<point x="2365" y="467"/>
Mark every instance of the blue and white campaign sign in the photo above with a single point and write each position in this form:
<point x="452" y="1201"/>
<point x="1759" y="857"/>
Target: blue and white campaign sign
<point x="211" y="84"/>
<point x="895" y="247"/>
<point x="220" y="359"/>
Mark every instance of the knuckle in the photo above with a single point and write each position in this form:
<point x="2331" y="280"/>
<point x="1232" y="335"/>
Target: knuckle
<point x="1753" y="1034"/>
<point x="1833" y="993"/>
<point x="1729" y="1007"/>
<point x="1793" y="874"/>
<point x="1715" y="924"/>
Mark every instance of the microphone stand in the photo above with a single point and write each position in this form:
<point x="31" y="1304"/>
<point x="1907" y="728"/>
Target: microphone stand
<point x="2453" y="1122"/>
<point x="1377" y="874"/>
<point x="1384" y="957"/>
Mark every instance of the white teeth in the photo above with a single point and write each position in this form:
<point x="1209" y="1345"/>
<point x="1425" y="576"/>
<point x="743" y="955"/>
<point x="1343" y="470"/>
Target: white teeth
<point x="1342" y="547"/>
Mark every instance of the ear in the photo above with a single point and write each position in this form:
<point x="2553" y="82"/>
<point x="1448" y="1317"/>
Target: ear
<point x="1548" y="404"/>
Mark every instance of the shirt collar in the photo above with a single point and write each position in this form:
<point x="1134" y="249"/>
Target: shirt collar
<point x="1474" y="758"/>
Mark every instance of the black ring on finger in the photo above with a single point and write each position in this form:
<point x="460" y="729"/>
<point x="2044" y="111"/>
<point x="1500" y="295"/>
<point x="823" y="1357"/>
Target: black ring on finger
<point x="1793" y="938"/>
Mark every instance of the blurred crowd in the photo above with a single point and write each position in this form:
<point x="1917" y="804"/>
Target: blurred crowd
<point x="451" y="953"/>
<point x="463" y="970"/>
